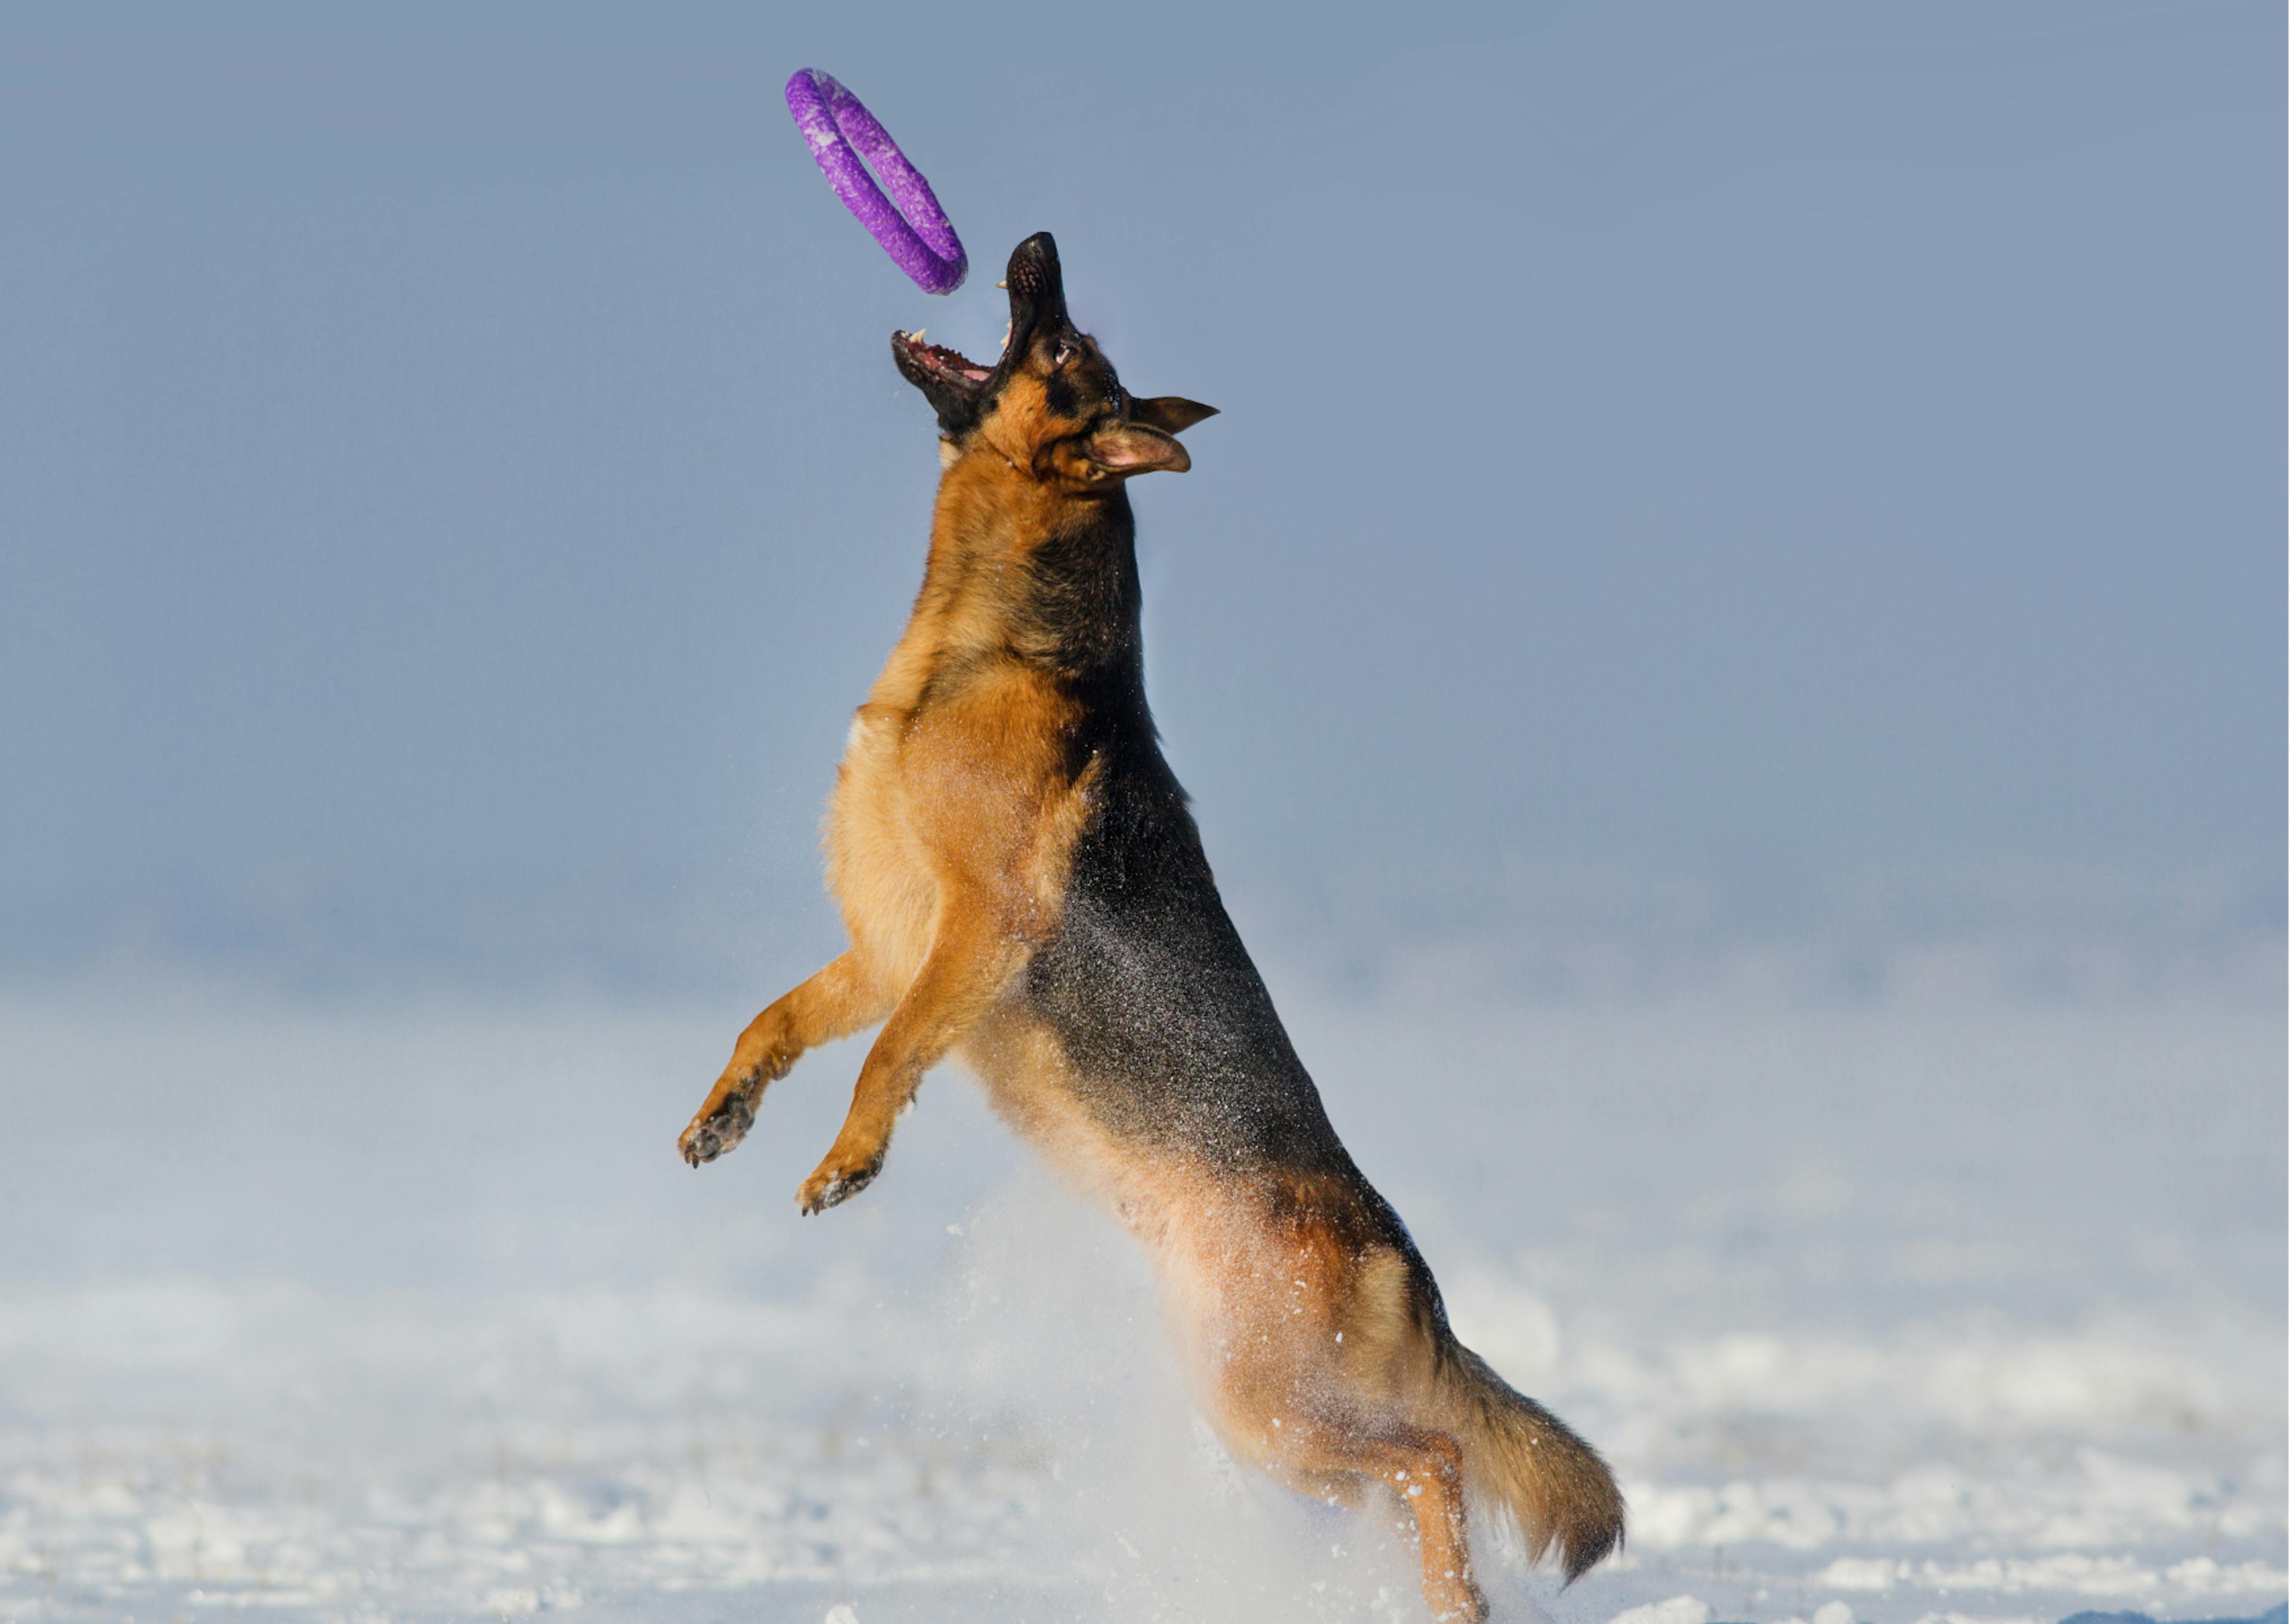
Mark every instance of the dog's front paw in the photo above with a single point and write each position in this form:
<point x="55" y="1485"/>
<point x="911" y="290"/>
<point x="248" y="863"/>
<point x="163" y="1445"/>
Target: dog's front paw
<point x="836" y="1180"/>
<point x="720" y="1124"/>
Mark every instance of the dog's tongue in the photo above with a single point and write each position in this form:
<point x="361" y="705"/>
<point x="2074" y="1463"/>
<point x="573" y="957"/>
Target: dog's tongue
<point x="949" y="360"/>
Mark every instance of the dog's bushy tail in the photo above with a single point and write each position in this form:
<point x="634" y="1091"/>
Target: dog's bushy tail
<point x="1524" y="1462"/>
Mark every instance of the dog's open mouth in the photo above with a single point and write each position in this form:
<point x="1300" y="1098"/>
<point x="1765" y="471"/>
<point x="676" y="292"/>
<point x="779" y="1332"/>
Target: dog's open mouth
<point x="956" y="386"/>
<point x="939" y="362"/>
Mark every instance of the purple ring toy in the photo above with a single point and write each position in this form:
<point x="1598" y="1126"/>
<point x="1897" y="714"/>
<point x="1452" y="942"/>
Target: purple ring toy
<point x="916" y="232"/>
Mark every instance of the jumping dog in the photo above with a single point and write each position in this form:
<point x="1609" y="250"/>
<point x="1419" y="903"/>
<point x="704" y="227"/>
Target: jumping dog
<point x="1025" y="890"/>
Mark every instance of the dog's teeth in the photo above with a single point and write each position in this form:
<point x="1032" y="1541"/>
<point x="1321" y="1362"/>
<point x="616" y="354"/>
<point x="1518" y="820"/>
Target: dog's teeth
<point x="916" y="337"/>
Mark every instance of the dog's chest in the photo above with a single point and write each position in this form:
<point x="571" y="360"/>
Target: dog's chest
<point x="877" y="858"/>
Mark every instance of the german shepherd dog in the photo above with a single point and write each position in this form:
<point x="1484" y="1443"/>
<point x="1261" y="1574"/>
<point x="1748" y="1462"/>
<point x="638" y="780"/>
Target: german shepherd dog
<point x="1024" y="889"/>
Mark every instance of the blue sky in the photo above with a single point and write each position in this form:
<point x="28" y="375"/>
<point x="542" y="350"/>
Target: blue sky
<point x="1819" y="461"/>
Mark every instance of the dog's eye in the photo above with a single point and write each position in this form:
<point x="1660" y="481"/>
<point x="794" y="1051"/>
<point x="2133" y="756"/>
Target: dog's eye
<point x="1064" y="353"/>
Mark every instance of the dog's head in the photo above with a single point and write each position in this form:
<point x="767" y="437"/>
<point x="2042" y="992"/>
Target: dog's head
<point x="1051" y="405"/>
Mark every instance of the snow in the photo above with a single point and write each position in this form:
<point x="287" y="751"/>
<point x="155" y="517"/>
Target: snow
<point x="1933" y="1303"/>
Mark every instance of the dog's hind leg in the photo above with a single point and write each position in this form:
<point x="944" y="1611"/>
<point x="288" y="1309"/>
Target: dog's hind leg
<point x="1425" y="1470"/>
<point x="835" y="1002"/>
<point x="969" y="966"/>
<point x="1313" y="1358"/>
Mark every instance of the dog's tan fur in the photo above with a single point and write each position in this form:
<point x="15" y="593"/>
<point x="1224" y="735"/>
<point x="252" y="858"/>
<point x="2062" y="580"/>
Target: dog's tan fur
<point x="1311" y="1329"/>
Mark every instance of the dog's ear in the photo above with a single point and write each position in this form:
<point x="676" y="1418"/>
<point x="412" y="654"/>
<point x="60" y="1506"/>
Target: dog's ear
<point x="1123" y="449"/>
<point x="1169" y="413"/>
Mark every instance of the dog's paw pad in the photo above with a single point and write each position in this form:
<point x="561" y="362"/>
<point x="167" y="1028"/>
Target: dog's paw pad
<point x="713" y="1133"/>
<point x="833" y="1184"/>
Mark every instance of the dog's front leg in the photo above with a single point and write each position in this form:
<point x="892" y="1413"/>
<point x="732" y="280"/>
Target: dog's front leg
<point x="833" y="1004"/>
<point x="968" y="966"/>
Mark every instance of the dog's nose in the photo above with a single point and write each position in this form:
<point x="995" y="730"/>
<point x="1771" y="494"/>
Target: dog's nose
<point x="1037" y="297"/>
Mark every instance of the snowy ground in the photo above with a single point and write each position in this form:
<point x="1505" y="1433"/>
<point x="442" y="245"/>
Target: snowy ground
<point x="1885" y="1304"/>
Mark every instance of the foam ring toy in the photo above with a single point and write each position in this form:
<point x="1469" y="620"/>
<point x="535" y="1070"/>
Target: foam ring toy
<point x="909" y="225"/>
